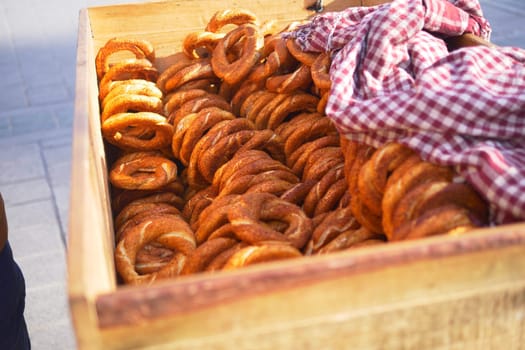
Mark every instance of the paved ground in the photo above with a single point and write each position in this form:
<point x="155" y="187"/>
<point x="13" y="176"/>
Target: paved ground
<point x="37" y="77"/>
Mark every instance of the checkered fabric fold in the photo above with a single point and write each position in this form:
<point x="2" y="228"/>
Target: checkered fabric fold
<point x="393" y="79"/>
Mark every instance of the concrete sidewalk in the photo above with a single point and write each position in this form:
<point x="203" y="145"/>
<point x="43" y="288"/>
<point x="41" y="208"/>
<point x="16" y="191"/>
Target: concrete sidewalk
<point x="37" y="70"/>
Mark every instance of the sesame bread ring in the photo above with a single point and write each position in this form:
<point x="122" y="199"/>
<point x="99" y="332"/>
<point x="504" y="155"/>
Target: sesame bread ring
<point x="320" y="71"/>
<point x="322" y="187"/>
<point x="199" y="259"/>
<point x="252" y="211"/>
<point x="448" y="219"/>
<point x="432" y="195"/>
<point x="347" y="239"/>
<point x="247" y="166"/>
<point x="131" y="102"/>
<point x="127" y="70"/>
<point x="298" y="192"/>
<point x="306" y="58"/>
<point x="195" y="177"/>
<point x="399" y="185"/>
<point x="181" y="61"/>
<point x="297" y="160"/>
<point x="138" y="131"/>
<point x="173" y="101"/>
<point x="263" y="116"/>
<point x="142" y="171"/>
<point x="214" y="216"/>
<point x="363" y="215"/>
<point x="254" y="103"/>
<point x="275" y="54"/>
<point x="133" y="214"/>
<point x="288" y="127"/>
<point x="294" y="103"/>
<point x="221" y="151"/>
<point x="332" y="197"/>
<point x="230" y="16"/>
<point x="247" y="162"/>
<point x="374" y="173"/>
<point x="260" y="182"/>
<point x="152" y="258"/>
<point x="190" y="130"/>
<point x="308" y="131"/>
<point x="195" y="70"/>
<point x="197" y="104"/>
<point x="200" y="44"/>
<point x="169" y="230"/>
<point x="133" y="87"/>
<point x="299" y="79"/>
<point x="236" y="70"/>
<point x="242" y="93"/>
<point x="256" y="254"/>
<point x="197" y="203"/>
<point x="331" y="226"/>
<point x="140" y="48"/>
<point x="143" y="204"/>
<point x="321" y="161"/>
<point x="120" y="198"/>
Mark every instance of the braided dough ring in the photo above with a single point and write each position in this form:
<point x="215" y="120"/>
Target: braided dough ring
<point x="252" y="210"/>
<point x="306" y="58"/>
<point x="374" y="174"/>
<point x="140" y="48"/>
<point x="195" y="177"/>
<point x="332" y="225"/>
<point x="142" y="171"/>
<point x="197" y="104"/>
<point x="126" y="70"/>
<point x="194" y="70"/>
<point x="138" y="131"/>
<point x="135" y="213"/>
<point x="231" y="16"/>
<point x="176" y="99"/>
<point x="275" y="54"/>
<point x="294" y="103"/>
<point x="202" y="257"/>
<point x="169" y="230"/>
<point x="320" y="71"/>
<point x="349" y="239"/>
<point x="130" y="102"/>
<point x="411" y="216"/>
<point x="214" y="216"/>
<point x="255" y="254"/>
<point x="190" y="130"/>
<point x="200" y="44"/>
<point x="234" y="71"/>
<point x="133" y="87"/>
<point x="402" y="181"/>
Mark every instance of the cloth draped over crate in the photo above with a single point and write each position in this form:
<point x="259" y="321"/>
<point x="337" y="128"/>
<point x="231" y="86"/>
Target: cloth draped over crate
<point x="393" y="79"/>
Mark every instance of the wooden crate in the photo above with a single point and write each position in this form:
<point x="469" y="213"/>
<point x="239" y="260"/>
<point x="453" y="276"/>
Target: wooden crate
<point x="463" y="292"/>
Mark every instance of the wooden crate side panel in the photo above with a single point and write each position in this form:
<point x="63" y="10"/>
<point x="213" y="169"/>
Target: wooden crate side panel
<point x="90" y="248"/>
<point x="165" y="24"/>
<point x="489" y="319"/>
<point x="309" y="301"/>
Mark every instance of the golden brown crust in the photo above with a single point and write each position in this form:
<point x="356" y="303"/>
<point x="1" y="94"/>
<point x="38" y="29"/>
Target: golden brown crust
<point x="142" y="171"/>
<point x="230" y="16"/>
<point x="233" y="71"/>
<point x="142" y="49"/>
<point x="138" y="131"/>
<point x="261" y="253"/>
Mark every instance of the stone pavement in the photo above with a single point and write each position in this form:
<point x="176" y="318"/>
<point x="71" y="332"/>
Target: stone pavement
<point x="37" y="77"/>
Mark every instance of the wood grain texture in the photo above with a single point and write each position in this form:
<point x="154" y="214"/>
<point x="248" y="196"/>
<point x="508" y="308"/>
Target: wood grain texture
<point x="464" y="292"/>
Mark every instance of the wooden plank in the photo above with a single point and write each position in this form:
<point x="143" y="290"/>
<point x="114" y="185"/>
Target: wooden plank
<point x="442" y="292"/>
<point x="353" y="292"/>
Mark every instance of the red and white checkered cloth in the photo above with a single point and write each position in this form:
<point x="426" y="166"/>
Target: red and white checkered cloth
<point x="392" y="80"/>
